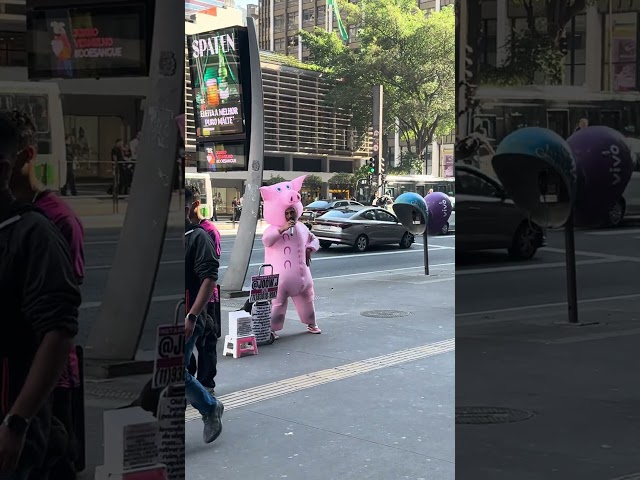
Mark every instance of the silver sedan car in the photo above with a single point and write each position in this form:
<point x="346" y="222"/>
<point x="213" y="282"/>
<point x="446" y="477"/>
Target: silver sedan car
<point x="361" y="227"/>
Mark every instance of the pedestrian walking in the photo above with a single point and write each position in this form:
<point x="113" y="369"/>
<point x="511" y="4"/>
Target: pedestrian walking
<point x="288" y="247"/>
<point x="234" y="210"/>
<point x="39" y="294"/>
<point x="206" y="344"/>
<point x="26" y="188"/>
<point x="71" y="160"/>
<point x="117" y="157"/>
<point x="201" y="275"/>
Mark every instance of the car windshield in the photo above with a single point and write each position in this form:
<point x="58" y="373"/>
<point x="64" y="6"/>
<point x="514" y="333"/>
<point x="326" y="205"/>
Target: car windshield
<point x="318" y="204"/>
<point x="339" y="214"/>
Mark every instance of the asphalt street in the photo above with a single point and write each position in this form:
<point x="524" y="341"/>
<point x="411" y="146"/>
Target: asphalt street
<point x="100" y="248"/>
<point x="577" y="385"/>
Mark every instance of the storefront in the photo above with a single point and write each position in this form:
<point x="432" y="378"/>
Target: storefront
<point x="99" y="55"/>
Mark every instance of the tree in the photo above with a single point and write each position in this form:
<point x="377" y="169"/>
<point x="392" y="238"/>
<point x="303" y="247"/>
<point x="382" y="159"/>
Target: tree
<point x="412" y="55"/>
<point x="409" y="163"/>
<point x="313" y="183"/>
<point x="537" y="48"/>
<point x="273" y="180"/>
<point x="345" y="182"/>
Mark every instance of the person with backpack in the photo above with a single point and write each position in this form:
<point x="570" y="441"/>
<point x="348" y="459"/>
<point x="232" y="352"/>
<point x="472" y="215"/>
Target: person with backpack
<point x="201" y="275"/>
<point x="40" y="299"/>
<point x="27" y="188"/>
<point x="206" y="344"/>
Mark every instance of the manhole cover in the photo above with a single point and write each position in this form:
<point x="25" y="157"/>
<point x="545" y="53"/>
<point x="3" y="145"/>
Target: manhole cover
<point x="385" y="313"/>
<point x="490" y="415"/>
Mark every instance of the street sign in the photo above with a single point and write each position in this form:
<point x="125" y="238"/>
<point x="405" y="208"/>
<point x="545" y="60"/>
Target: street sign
<point x="263" y="287"/>
<point x="168" y="366"/>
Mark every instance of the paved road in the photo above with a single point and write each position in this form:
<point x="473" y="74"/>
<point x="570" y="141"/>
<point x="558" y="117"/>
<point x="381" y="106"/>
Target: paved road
<point x="515" y="350"/>
<point x="338" y="261"/>
<point x="370" y="398"/>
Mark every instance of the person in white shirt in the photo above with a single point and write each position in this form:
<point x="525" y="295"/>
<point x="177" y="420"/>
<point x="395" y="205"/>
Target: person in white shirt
<point x="133" y="147"/>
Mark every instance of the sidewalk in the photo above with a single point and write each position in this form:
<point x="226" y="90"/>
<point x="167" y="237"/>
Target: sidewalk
<point x="579" y="383"/>
<point x="370" y="398"/>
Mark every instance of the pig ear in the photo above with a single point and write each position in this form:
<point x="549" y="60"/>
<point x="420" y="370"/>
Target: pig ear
<point x="266" y="193"/>
<point x="297" y="183"/>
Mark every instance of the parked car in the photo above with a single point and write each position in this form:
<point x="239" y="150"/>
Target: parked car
<point x="629" y="204"/>
<point x="361" y="227"/>
<point x="320" y="207"/>
<point x="489" y="220"/>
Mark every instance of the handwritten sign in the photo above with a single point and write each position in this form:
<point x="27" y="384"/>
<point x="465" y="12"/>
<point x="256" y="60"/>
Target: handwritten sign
<point x="263" y="287"/>
<point x="261" y="320"/>
<point x="168" y="367"/>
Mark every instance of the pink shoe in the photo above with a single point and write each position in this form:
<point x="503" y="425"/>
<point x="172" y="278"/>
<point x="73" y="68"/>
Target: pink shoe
<point x="314" y="329"/>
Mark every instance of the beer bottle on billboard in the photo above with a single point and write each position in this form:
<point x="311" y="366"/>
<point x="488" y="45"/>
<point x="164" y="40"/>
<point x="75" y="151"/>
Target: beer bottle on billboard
<point x="213" y="94"/>
<point x="223" y="84"/>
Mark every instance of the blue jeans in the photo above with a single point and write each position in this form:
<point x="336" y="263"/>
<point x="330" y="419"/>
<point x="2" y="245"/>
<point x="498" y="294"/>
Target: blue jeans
<point x="196" y="394"/>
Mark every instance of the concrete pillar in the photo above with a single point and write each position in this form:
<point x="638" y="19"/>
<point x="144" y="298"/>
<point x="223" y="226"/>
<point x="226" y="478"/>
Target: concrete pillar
<point x="233" y="279"/>
<point x="325" y="164"/>
<point x="594" y="39"/>
<point x="288" y="162"/>
<point x="435" y="159"/>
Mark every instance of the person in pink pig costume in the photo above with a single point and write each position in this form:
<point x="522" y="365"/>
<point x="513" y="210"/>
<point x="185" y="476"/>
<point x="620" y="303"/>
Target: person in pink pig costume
<point x="289" y="254"/>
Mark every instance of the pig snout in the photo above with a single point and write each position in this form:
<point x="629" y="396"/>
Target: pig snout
<point x="295" y="198"/>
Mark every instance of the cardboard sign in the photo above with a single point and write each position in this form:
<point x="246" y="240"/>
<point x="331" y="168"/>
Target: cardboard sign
<point x="171" y="409"/>
<point x="261" y="322"/>
<point x="168" y="367"/>
<point x="263" y="287"/>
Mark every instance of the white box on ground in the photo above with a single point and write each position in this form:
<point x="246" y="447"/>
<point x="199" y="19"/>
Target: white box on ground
<point x="131" y="439"/>
<point x="240" y="324"/>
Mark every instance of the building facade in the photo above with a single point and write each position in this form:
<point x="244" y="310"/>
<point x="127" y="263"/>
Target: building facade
<point x="97" y="111"/>
<point x="303" y="134"/>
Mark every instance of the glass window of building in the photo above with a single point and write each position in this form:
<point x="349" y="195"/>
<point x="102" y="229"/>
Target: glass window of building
<point x="488" y="42"/>
<point x="13" y="49"/>
<point x="320" y="12"/>
<point x="278" y="44"/>
<point x="575" y="60"/>
<point x="620" y="53"/>
<point x="278" y="23"/>
<point x="292" y="19"/>
<point x="309" y="16"/>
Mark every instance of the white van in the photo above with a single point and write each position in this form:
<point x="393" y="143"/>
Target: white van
<point x="41" y="100"/>
<point x="629" y="204"/>
<point x="202" y="181"/>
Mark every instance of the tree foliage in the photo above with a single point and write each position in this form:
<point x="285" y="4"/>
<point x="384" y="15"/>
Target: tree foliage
<point x="342" y="180"/>
<point x="313" y="182"/>
<point x="275" y="179"/>
<point x="409" y="163"/>
<point x="536" y="49"/>
<point x="412" y="55"/>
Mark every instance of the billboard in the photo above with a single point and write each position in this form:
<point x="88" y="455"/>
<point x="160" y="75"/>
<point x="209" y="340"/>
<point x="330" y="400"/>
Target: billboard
<point x="221" y="157"/>
<point x="90" y="41"/>
<point x="216" y="82"/>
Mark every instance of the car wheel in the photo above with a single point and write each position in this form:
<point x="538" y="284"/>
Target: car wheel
<point x="445" y="229"/>
<point x="525" y="242"/>
<point x="407" y="240"/>
<point x="616" y="214"/>
<point x="362" y="243"/>
<point x="324" y="244"/>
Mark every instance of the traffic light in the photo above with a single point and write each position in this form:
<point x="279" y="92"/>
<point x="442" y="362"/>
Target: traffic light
<point x="382" y="166"/>
<point x="371" y="166"/>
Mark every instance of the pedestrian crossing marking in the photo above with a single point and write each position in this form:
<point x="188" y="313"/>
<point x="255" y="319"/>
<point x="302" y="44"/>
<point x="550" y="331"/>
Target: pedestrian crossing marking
<point x="249" y="396"/>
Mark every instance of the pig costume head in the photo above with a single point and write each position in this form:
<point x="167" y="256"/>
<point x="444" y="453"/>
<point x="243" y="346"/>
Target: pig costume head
<point x="277" y="198"/>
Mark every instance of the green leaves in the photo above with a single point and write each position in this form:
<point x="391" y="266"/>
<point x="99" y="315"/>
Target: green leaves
<point x="411" y="54"/>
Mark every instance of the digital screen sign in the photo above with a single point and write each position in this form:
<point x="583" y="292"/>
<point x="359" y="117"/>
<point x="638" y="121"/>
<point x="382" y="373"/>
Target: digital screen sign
<point x="88" y="42"/>
<point x="221" y="157"/>
<point x="214" y="63"/>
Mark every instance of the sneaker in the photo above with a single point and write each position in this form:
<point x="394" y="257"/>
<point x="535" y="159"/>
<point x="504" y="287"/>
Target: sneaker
<point x="213" y="423"/>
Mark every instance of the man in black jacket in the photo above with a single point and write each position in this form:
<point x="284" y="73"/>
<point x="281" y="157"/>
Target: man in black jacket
<point x="39" y="298"/>
<point x="201" y="274"/>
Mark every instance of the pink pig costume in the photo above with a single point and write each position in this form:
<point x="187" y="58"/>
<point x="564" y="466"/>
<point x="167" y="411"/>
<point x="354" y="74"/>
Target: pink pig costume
<point x="287" y="253"/>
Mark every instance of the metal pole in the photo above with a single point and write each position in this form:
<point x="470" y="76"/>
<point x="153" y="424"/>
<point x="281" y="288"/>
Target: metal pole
<point x="233" y="280"/>
<point x="611" y="75"/>
<point x="570" y="252"/>
<point x="300" y="28"/>
<point x="426" y="252"/>
<point x="118" y="328"/>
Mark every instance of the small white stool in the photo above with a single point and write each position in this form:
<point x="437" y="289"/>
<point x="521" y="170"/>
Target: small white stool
<point x="237" y="346"/>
